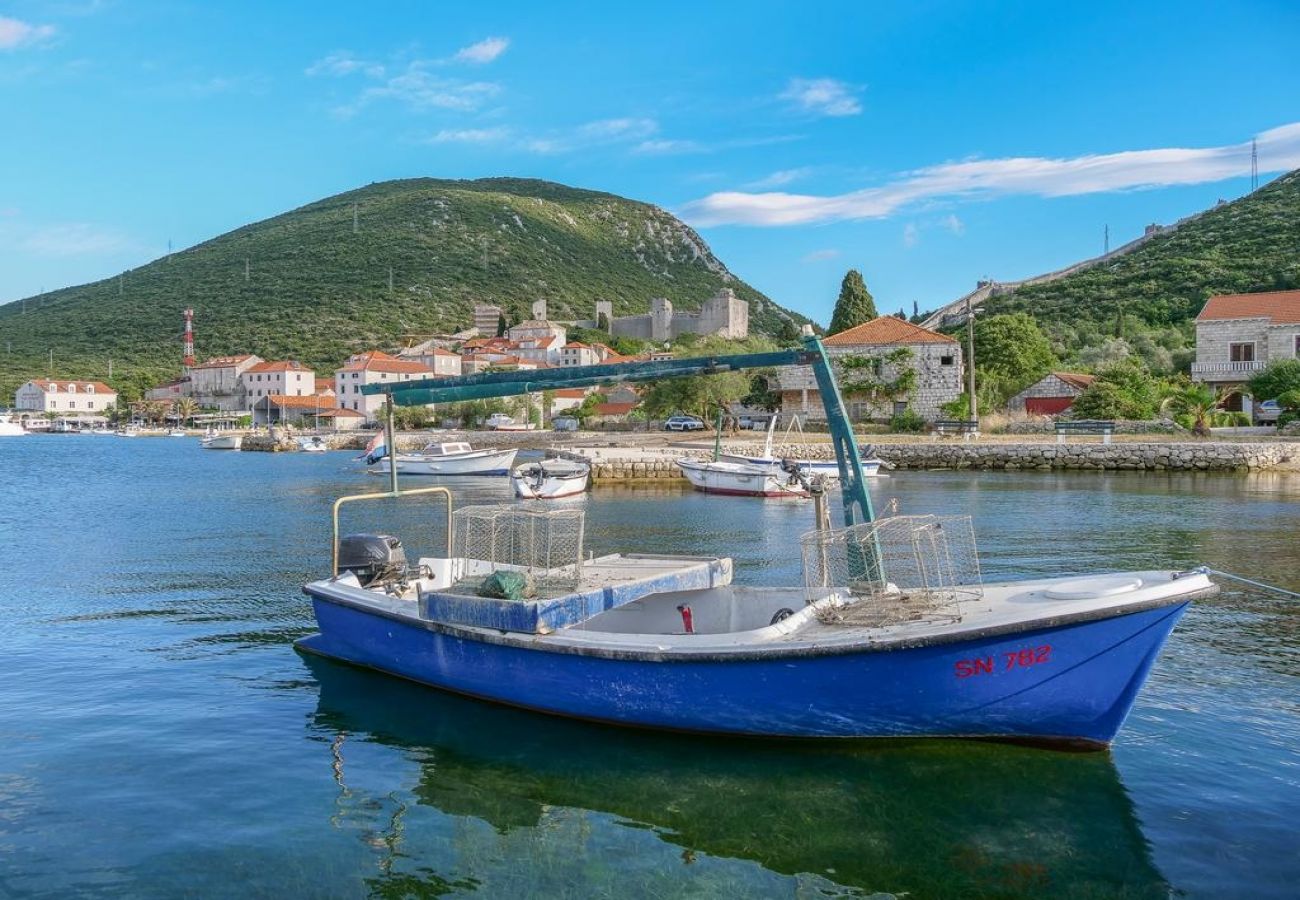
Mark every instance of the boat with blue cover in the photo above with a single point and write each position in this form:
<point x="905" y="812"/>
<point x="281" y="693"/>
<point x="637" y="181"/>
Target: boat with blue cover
<point x="892" y="633"/>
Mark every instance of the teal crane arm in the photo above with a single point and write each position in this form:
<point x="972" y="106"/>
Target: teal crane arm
<point x="857" y="502"/>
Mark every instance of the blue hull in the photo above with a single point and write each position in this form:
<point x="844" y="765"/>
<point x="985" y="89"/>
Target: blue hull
<point x="1073" y="683"/>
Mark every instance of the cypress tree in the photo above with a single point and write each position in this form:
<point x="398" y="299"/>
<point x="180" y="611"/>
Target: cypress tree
<point x="854" y="305"/>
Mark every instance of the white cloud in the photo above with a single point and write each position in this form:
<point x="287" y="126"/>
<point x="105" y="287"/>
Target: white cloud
<point x="822" y="96"/>
<point x="780" y="178"/>
<point x="484" y="51"/>
<point x="77" y="239"/>
<point x="470" y="135"/>
<point x="953" y="224"/>
<point x="1279" y="150"/>
<point x="665" y="147"/>
<point x="344" y="63"/>
<point x="820" y="255"/>
<point x="618" y="129"/>
<point x="15" y="33"/>
<point x="911" y="235"/>
<point x="419" y="88"/>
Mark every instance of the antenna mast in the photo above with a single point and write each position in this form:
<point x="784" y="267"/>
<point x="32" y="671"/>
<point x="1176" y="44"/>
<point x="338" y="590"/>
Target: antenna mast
<point x="189" y="338"/>
<point x="1254" y="164"/>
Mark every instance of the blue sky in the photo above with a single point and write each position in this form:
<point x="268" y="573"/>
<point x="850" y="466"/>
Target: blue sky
<point x="927" y="144"/>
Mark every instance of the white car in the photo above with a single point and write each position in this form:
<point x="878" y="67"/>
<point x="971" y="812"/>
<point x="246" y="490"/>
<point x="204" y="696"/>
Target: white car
<point x="683" y="423"/>
<point x="497" y="420"/>
<point x="1266" y="413"/>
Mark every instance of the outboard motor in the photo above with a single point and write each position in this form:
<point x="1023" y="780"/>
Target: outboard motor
<point x="377" y="560"/>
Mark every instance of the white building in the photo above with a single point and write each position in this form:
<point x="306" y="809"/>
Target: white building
<point x="288" y="378"/>
<point x="535" y="328"/>
<point x="41" y="395"/>
<point x="435" y="358"/>
<point x="1237" y="335"/>
<point x="934" y="358"/>
<point x="576" y="353"/>
<point x="373" y="367"/>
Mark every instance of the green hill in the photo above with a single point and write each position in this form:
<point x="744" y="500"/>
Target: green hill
<point x="1251" y="244"/>
<point x="311" y="285"/>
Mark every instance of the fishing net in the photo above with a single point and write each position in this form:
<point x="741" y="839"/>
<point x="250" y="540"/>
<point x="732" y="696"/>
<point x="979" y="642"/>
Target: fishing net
<point x="546" y="544"/>
<point x="893" y="570"/>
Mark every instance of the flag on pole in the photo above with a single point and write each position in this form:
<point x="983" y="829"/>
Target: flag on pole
<point x="376" y="450"/>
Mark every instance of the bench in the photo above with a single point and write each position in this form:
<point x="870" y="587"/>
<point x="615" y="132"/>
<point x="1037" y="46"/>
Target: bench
<point x="968" y="428"/>
<point x="1066" y="427"/>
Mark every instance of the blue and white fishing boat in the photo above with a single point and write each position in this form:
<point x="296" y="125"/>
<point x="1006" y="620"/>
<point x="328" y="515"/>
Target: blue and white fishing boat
<point x="891" y="634"/>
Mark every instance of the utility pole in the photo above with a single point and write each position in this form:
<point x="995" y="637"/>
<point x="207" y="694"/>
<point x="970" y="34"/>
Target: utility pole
<point x="485" y="255"/>
<point x="390" y="279"/>
<point x="1254" y="164"/>
<point x="119" y="285"/>
<point x="51" y="362"/>
<point x="247" y="269"/>
<point x="110" y="368"/>
<point x="1105" y="245"/>
<point x="970" y="361"/>
<point x="355" y="229"/>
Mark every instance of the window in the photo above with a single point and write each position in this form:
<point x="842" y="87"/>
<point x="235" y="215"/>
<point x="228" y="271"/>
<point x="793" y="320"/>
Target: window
<point x="945" y="360"/>
<point x="72" y="404"/>
<point x="900" y="407"/>
<point x="90" y="389"/>
<point x="1244" y="352"/>
<point x="1297" y="345"/>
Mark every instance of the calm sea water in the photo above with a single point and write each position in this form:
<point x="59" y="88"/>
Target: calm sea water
<point x="159" y="736"/>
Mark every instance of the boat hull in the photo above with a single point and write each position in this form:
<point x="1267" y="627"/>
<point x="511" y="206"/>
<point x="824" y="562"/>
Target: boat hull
<point x="739" y="480"/>
<point x="826" y="468"/>
<point x="552" y="486"/>
<point x="1070" y="684"/>
<point x="223" y="442"/>
<point x="479" y="462"/>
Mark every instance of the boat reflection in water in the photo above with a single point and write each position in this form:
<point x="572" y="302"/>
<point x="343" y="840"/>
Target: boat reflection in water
<point x="927" y="819"/>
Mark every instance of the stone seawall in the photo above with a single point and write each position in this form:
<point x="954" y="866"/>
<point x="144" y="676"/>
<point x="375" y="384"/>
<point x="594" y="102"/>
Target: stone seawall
<point x="1207" y="456"/>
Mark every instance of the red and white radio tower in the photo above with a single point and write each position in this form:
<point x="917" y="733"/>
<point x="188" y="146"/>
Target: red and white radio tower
<point x="189" y="337"/>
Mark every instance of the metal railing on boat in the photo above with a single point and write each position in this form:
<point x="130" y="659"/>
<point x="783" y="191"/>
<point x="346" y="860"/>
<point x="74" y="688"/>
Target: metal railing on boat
<point x="381" y="495"/>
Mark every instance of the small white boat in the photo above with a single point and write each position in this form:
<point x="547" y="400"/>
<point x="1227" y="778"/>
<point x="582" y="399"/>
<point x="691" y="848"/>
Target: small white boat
<point x="827" y="468"/>
<point x="100" y="429"/>
<point x="550" y="479"/>
<point x="452" y="458"/>
<point x="312" y="444"/>
<point x="177" y="432"/>
<point x="215" y="440"/>
<point x="10" y="428"/>
<point x="741" y="479"/>
<point x="128" y="431"/>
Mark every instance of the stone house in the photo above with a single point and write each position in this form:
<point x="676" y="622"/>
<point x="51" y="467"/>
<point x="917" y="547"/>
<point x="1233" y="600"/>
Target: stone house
<point x="215" y="383"/>
<point x="1239" y="334"/>
<point x="1052" y="394"/>
<point x="61" y="395"/>
<point x="288" y="378"/>
<point x="934" y="358"/>
<point x="373" y="367"/>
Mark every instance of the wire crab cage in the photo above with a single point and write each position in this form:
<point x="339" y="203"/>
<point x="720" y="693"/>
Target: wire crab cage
<point x="893" y="570"/>
<point x="547" y="544"/>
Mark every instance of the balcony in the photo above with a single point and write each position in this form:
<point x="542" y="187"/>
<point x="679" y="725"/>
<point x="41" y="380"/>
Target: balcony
<point x="1225" y="371"/>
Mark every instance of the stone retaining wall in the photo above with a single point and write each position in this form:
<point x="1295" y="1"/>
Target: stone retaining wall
<point x="1217" y="456"/>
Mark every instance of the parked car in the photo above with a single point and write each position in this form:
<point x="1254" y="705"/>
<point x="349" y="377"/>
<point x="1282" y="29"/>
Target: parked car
<point x="496" y="420"/>
<point x="564" y="423"/>
<point x="683" y="423"/>
<point x="1266" y="413"/>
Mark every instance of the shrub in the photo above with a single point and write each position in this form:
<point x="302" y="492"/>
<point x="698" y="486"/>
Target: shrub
<point x="907" y="422"/>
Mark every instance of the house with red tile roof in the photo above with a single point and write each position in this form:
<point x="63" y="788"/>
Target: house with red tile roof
<point x="64" y="395"/>
<point x="287" y="377"/>
<point x="373" y="367"/>
<point x="215" y="382"/>
<point x="305" y="411"/>
<point x="871" y="361"/>
<point x="1237" y="335"/>
<point x="1052" y="394"/>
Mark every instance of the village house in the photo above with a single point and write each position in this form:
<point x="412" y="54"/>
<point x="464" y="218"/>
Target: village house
<point x="437" y="359"/>
<point x="1052" y="394"/>
<point x="215" y="383"/>
<point x="576" y="353"/>
<point x="306" y="411"/>
<point x="889" y="348"/>
<point x="288" y="378"/>
<point x="64" y="396"/>
<point x="373" y="367"/>
<point x="1237" y="335"/>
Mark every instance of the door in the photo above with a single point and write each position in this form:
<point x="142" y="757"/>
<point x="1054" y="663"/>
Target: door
<point x="1047" y="406"/>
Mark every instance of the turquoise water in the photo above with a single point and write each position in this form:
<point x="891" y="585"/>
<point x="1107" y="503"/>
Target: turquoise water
<point x="159" y="736"/>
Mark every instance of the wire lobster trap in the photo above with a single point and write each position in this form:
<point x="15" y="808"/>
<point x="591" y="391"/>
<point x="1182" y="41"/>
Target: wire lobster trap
<point x="894" y="570"/>
<point x="545" y="543"/>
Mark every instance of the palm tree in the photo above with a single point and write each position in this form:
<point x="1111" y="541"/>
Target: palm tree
<point x="1199" y="401"/>
<point x="185" y="408"/>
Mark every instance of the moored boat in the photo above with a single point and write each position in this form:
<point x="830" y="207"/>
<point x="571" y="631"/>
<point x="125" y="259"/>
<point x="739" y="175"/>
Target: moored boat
<point x="218" y="440"/>
<point x="312" y="444"/>
<point x="10" y="428"/>
<point x="892" y="633"/>
<point x="177" y="432"/>
<point x="551" y="479"/>
<point x="452" y="458"/>
<point x="741" y="479"/>
<point x="828" y="469"/>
